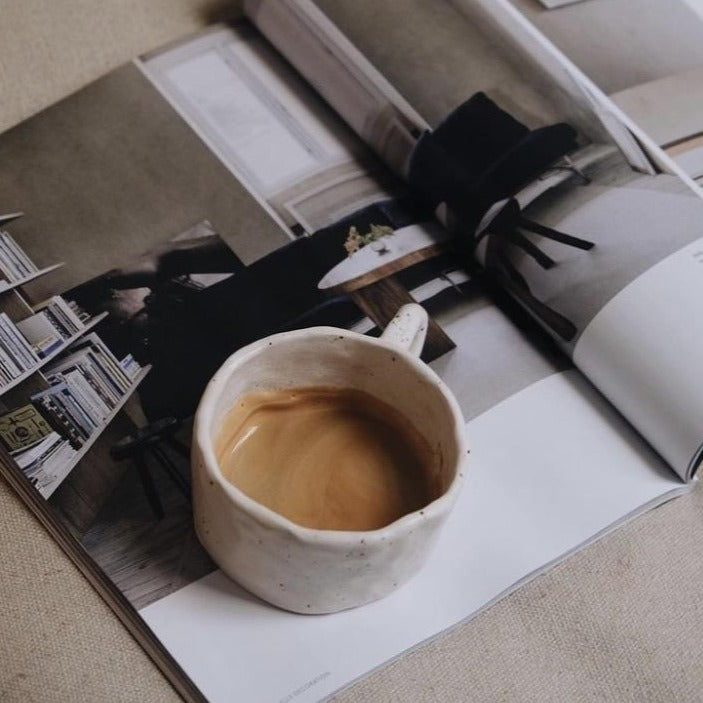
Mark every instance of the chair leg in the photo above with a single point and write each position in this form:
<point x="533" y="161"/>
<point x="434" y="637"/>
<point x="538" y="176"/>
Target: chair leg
<point x="516" y="285"/>
<point x="530" y="249"/>
<point x="444" y="275"/>
<point x="556" y="235"/>
<point x="505" y="223"/>
<point x="171" y="471"/>
<point x="147" y="482"/>
<point x="505" y="268"/>
<point x="178" y="447"/>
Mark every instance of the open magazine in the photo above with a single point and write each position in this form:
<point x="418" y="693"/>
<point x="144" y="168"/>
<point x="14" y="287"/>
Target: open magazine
<point x="267" y="176"/>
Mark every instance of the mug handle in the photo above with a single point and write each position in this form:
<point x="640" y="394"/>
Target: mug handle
<point x="408" y="329"/>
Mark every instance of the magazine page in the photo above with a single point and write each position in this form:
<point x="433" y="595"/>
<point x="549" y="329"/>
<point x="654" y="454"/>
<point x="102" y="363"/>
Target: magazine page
<point x="656" y="81"/>
<point x="190" y="227"/>
<point x="635" y="290"/>
<point x="654" y="77"/>
<point x="566" y="208"/>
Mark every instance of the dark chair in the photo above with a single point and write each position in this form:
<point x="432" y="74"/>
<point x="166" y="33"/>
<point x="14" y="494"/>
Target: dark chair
<point x="287" y="278"/>
<point x="480" y="155"/>
<point x="191" y="332"/>
<point x="474" y="162"/>
<point x="505" y="220"/>
<point x="151" y="442"/>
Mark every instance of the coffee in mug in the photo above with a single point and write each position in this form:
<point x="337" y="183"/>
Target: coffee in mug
<point x="382" y="383"/>
<point x="327" y="458"/>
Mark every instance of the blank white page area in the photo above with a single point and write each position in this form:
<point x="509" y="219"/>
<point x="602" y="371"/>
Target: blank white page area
<point x="551" y="467"/>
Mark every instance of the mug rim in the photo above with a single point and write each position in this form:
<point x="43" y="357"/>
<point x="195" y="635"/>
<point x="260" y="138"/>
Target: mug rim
<point x="270" y="518"/>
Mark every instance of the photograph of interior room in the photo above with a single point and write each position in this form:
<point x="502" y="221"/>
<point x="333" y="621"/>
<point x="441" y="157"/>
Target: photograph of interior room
<point x="646" y="56"/>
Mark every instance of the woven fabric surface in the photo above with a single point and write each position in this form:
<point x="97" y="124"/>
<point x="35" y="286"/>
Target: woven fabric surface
<point x="620" y="621"/>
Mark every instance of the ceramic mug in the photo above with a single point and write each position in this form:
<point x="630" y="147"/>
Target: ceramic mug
<point x="311" y="570"/>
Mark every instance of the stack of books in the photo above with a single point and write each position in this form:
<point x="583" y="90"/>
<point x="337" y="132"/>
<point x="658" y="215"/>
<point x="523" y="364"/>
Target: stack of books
<point x="87" y="383"/>
<point x="130" y="366"/>
<point x="40" y="451"/>
<point x="45" y="463"/>
<point x="17" y="355"/>
<point x="15" y="265"/>
<point x="55" y="321"/>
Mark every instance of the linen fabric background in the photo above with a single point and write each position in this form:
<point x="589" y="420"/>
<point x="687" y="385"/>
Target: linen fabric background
<point x="620" y="621"/>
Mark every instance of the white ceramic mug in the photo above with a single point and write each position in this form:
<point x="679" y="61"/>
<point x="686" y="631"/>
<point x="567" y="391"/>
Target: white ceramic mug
<point x="322" y="571"/>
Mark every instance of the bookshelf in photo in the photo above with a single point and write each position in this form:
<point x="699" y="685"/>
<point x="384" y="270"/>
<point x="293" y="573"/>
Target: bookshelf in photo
<point x="60" y="385"/>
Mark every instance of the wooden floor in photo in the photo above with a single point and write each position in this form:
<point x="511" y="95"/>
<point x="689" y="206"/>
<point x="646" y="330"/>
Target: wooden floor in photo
<point x="145" y="557"/>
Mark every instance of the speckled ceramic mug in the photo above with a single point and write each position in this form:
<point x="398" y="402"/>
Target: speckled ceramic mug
<point x="322" y="571"/>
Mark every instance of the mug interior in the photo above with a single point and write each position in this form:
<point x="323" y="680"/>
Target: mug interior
<point x="336" y="358"/>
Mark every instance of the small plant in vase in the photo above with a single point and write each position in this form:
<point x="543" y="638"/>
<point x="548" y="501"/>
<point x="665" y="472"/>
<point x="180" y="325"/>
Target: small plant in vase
<point x="374" y="237"/>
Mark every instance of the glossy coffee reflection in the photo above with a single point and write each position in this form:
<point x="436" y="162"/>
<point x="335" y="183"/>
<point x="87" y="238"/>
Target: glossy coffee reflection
<point x="327" y="458"/>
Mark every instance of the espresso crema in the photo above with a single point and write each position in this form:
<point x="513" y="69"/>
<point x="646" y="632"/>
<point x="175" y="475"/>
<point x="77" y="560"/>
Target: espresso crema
<point x="327" y="458"/>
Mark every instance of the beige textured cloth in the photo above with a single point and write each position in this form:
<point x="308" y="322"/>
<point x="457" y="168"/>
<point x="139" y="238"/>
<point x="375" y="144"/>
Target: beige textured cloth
<point x="621" y="621"/>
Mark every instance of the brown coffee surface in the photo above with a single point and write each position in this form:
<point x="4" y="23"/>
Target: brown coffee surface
<point x="326" y="458"/>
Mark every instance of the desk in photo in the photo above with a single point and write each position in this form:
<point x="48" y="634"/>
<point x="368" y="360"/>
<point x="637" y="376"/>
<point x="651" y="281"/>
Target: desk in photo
<point x="368" y="277"/>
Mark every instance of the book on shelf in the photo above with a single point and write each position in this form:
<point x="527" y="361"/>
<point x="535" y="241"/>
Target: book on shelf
<point x="22" y="427"/>
<point x="16" y="353"/>
<point x="25" y="342"/>
<point x="59" y="419"/>
<point x="45" y="460"/>
<point x="55" y="322"/>
<point x="64" y="397"/>
<point x="43" y="436"/>
<point x="14" y="263"/>
<point x="41" y="333"/>
<point x="39" y="450"/>
<point x="130" y="366"/>
<point x="91" y="350"/>
<point x="87" y="383"/>
<point x="522" y="208"/>
<point x="65" y="316"/>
